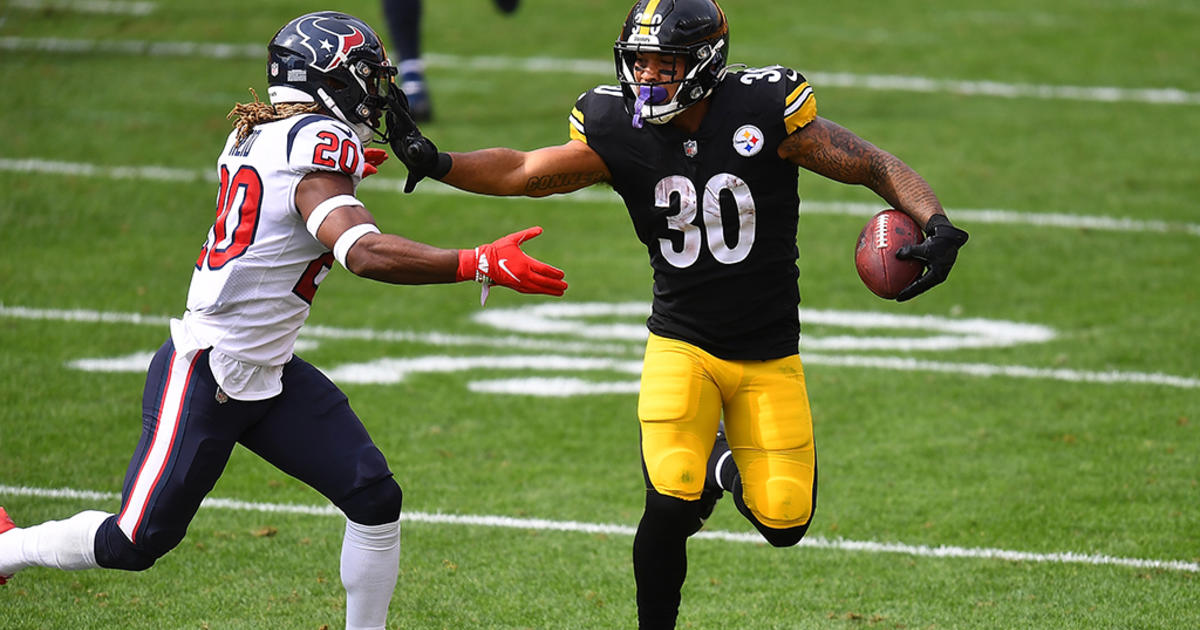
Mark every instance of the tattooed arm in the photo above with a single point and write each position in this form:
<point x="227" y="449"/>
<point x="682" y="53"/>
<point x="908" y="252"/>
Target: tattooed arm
<point x="828" y="149"/>
<point x="546" y="171"/>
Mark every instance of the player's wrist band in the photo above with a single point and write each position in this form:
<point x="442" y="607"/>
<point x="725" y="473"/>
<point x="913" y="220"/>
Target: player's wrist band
<point x="325" y="207"/>
<point x="467" y="261"/>
<point x="349" y="238"/>
<point x="934" y="221"/>
<point x="444" y="163"/>
<point x="941" y="223"/>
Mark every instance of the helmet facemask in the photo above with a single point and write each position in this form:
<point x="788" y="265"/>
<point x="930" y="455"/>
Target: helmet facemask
<point x="650" y="102"/>
<point x="372" y="84"/>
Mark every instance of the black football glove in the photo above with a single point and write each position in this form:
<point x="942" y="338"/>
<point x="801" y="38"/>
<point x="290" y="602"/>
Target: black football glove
<point x="418" y="153"/>
<point x="938" y="252"/>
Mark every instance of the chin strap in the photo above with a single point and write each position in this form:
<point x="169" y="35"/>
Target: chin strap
<point x="362" y="130"/>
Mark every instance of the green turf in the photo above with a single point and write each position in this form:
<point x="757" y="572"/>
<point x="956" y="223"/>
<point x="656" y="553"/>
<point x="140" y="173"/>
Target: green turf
<point x="1032" y="465"/>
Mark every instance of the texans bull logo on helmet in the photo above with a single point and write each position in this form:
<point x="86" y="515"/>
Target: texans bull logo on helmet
<point x="329" y="41"/>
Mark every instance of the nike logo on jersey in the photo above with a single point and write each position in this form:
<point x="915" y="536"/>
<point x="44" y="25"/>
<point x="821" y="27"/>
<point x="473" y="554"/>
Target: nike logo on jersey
<point x="507" y="271"/>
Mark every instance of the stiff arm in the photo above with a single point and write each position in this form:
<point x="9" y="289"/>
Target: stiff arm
<point x="546" y="171"/>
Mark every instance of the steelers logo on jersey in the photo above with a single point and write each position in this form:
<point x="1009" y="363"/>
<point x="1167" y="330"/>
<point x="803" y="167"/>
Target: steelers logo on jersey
<point x="748" y="140"/>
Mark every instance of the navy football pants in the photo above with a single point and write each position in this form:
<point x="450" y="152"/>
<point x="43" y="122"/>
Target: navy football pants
<point x="189" y="432"/>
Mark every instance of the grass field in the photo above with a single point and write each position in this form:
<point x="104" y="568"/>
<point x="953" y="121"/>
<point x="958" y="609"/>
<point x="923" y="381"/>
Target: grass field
<point x="1036" y="465"/>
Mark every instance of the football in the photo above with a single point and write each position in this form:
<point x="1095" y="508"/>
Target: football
<point x="875" y="257"/>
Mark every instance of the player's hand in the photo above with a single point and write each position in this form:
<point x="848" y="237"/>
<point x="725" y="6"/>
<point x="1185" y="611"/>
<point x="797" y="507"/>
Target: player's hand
<point x="502" y="262"/>
<point x="373" y="157"/>
<point x="418" y="154"/>
<point x="938" y="252"/>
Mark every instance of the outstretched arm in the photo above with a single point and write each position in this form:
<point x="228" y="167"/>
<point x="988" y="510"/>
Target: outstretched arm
<point x="546" y="171"/>
<point x="383" y="257"/>
<point x="828" y="149"/>
<point x="335" y="217"/>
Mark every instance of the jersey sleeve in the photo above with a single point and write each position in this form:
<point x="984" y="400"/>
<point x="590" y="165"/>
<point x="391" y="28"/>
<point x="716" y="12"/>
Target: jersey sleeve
<point x="575" y="122"/>
<point x="320" y="143"/>
<point x="800" y="104"/>
<point x="598" y="107"/>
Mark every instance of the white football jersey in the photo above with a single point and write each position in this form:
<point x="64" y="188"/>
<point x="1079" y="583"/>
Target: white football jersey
<point x="259" y="269"/>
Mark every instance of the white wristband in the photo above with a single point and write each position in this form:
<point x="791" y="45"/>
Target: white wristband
<point x="349" y="238"/>
<point x="325" y="207"/>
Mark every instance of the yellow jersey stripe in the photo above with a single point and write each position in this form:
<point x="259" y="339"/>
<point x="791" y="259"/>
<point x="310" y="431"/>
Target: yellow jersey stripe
<point x="575" y="127"/>
<point x="648" y="17"/>
<point x="800" y="108"/>
<point x="800" y="89"/>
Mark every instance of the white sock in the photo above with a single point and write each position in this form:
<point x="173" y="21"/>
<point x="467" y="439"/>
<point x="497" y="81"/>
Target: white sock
<point x="69" y="544"/>
<point x="412" y="66"/>
<point x="370" y="566"/>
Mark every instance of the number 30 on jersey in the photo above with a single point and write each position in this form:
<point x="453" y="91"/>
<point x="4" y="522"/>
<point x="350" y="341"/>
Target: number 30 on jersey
<point x="714" y="231"/>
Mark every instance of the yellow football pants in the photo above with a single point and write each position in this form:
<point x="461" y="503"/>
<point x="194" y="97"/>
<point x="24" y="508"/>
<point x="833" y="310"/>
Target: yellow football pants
<point x="768" y="423"/>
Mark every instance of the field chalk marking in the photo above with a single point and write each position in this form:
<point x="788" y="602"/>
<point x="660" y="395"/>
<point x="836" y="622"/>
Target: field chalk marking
<point x="892" y="83"/>
<point x="384" y="371"/>
<point x="815" y="542"/>
<point x="86" y="6"/>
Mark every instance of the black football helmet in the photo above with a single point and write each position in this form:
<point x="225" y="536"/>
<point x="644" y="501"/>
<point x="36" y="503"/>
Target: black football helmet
<point x="694" y="31"/>
<point x="338" y="61"/>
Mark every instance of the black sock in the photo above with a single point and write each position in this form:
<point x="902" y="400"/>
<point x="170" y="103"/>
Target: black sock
<point x="660" y="558"/>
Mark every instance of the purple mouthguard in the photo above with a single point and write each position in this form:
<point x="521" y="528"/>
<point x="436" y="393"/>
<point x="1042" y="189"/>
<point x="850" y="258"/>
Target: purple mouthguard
<point x="647" y="94"/>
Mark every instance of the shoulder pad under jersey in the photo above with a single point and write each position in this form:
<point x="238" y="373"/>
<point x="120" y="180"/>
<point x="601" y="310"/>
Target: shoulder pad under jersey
<point x="798" y="103"/>
<point x="320" y="143"/>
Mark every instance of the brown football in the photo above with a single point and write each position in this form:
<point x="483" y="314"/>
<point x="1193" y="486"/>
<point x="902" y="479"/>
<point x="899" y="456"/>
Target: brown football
<point x="875" y="257"/>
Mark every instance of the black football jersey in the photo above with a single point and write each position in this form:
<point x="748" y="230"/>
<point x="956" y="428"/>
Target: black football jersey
<point x="717" y="209"/>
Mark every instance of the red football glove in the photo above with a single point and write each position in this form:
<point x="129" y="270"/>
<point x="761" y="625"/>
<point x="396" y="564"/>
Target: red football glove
<point x="374" y="158"/>
<point x="503" y="263"/>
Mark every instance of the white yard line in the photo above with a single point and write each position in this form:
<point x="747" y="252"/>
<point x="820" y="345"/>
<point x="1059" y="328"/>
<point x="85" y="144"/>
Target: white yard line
<point x="966" y="216"/>
<point x="86" y="6"/>
<point x="537" y="524"/>
<point x="600" y="67"/>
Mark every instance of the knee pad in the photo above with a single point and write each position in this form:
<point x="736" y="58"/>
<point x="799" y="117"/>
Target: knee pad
<point x="671" y="516"/>
<point x="675" y="471"/>
<point x="114" y="551"/>
<point x="781" y="493"/>
<point x="374" y="504"/>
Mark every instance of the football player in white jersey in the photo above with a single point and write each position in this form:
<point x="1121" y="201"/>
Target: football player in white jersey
<point x="227" y="375"/>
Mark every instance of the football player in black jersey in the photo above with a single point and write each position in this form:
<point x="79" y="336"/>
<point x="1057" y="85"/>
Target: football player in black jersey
<point x="706" y="160"/>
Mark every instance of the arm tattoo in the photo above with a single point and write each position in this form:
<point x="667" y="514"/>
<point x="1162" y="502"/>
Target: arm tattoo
<point x="828" y="149"/>
<point x="563" y="181"/>
<point x="835" y="152"/>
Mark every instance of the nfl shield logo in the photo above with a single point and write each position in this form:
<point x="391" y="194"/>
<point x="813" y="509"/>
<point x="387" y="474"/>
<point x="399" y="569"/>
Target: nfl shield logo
<point x="690" y="148"/>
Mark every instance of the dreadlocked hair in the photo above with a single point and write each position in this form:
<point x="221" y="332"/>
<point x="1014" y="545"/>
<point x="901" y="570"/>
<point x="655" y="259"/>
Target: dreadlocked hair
<point x="251" y="114"/>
